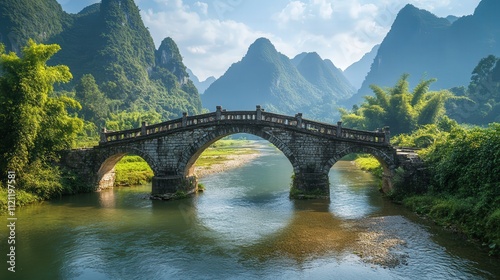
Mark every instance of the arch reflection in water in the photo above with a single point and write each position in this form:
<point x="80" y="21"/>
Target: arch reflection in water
<point x="236" y="206"/>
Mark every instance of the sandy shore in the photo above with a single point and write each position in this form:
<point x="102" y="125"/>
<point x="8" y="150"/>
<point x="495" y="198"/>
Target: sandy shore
<point x="233" y="161"/>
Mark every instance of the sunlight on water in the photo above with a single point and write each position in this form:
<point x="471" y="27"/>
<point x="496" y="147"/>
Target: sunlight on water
<point x="243" y="226"/>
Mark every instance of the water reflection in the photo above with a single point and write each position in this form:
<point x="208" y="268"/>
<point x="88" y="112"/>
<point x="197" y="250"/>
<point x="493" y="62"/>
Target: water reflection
<point x="312" y="232"/>
<point x="243" y="226"/>
<point x="107" y="199"/>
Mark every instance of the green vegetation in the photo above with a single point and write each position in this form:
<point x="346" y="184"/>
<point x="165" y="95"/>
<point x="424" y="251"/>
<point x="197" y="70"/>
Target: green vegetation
<point x="34" y="121"/>
<point x="460" y="187"/>
<point x="397" y="107"/>
<point x="463" y="191"/>
<point x="119" y="78"/>
<point x="370" y="164"/>
<point x="133" y="170"/>
<point x="480" y="101"/>
<point x="219" y="151"/>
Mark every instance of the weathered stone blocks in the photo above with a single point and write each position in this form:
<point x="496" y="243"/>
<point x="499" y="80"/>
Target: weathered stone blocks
<point x="172" y="153"/>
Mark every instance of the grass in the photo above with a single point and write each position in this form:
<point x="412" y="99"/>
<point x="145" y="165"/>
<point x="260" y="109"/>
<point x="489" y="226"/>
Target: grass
<point x="219" y="155"/>
<point x="461" y="215"/>
<point x="133" y="170"/>
<point x="22" y="198"/>
<point x="370" y="164"/>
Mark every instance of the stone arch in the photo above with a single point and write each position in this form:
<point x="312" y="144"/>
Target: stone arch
<point x="386" y="160"/>
<point x="192" y="153"/>
<point x="111" y="156"/>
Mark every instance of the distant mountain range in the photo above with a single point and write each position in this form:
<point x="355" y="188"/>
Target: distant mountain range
<point x="356" y="72"/>
<point x="426" y="46"/>
<point x="109" y="41"/>
<point x="306" y="84"/>
<point x="200" y="85"/>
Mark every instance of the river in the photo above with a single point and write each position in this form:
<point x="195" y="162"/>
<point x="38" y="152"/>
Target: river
<point x="243" y="226"/>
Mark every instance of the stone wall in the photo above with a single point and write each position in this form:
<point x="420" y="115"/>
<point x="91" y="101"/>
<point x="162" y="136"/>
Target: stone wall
<point x="172" y="155"/>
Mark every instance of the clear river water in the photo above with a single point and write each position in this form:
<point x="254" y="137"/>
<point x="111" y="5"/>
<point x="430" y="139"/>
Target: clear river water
<point x="243" y="226"/>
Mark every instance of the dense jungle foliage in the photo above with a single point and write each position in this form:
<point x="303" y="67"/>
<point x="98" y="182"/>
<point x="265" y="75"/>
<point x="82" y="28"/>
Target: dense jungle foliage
<point x="462" y="190"/>
<point x="112" y="57"/>
<point x="462" y="161"/>
<point x="34" y="121"/>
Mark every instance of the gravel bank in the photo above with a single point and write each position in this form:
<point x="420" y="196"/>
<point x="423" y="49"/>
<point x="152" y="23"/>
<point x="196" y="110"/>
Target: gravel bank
<point x="233" y="161"/>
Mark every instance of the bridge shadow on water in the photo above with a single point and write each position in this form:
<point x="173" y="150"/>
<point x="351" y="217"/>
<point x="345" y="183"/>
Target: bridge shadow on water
<point x="312" y="232"/>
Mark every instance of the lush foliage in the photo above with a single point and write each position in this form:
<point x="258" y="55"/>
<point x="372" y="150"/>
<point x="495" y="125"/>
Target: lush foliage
<point x="398" y="108"/>
<point x="370" y="164"/>
<point x="34" y="122"/>
<point x="464" y="187"/>
<point x="47" y="19"/>
<point x="132" y="170"/>
<point x="426" y="136"/>
<point x="112" y="57"/>
<point x="480" y="102"/>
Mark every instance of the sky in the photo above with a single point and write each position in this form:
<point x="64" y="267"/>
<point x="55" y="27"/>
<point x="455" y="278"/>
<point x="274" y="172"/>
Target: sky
<point x="213" y="34"/>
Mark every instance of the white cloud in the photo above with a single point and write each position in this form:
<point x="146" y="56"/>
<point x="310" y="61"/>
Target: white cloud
<point x="212" y="35"/>
<point x="358" y="10"/>
<point x="203" y="7"/>
<point x="292" y="12"/>
<point x="324" y="8"/>
<point x="342" y="31"/>
<point x="300" y="11"/>
<point x="208" y="46"/>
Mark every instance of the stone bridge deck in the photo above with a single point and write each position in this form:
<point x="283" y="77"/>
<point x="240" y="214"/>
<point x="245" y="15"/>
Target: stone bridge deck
<point x="171" y="148"/>
<point x="222" y="116"/>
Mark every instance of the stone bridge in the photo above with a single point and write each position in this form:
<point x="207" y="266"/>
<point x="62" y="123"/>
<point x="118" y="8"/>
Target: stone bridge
<point x="171" y="149"/>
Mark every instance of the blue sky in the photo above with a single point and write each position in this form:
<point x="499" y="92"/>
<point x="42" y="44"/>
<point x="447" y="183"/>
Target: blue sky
<point x="212" y="35"/>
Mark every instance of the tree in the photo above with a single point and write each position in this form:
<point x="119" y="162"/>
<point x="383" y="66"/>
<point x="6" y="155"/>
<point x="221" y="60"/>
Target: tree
<point x="484" y="90"/>
<point x="398" y="108"/>
<point x="33" y="122"/>
<point x="479" y="103"/>
<point x="94" y="103"/>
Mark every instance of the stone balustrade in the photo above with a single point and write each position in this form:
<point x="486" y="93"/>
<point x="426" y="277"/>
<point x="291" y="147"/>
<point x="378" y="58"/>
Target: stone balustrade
<point x="259" y="115"/>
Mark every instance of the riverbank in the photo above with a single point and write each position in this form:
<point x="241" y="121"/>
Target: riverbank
<point x="223" y="155"/>
<point x="230" y="162"/>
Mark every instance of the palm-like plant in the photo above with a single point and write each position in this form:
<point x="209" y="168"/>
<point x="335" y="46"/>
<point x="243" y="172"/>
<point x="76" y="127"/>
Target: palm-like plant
<point x="398" y="108"/>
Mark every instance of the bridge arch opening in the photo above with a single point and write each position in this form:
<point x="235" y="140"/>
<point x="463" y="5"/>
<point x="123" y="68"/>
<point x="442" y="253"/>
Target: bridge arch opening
<point x="382" y="157"/>
<point x="204" y="149"/>
<point x="132" y="161"/>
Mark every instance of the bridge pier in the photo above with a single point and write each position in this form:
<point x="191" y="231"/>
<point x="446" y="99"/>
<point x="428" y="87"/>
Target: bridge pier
<point x="172" y="147"/>
<point x="165" y="186"/>
<point x="310" y="186"/>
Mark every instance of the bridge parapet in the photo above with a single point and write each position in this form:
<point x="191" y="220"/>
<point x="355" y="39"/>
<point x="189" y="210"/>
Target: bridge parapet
<point x="258" y="116"/>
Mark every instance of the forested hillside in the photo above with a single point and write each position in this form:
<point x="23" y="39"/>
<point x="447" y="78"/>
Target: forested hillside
<point x="265" y="77"/>
<point x="111" y="55"/>
<point x="426" y="46"/>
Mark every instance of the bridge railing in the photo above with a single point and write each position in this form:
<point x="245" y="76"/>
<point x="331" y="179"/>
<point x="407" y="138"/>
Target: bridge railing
<point x="379" y="136"/>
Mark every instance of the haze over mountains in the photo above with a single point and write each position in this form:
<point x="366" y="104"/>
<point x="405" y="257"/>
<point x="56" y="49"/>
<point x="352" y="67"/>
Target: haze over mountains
<point x="109" y="41"/>
<point x="200" y="85"/>
<point x="356" y="72"/>
<point x="426" y="46"/>
<point x="419" y="43"/>
<point x="265" y="77"/>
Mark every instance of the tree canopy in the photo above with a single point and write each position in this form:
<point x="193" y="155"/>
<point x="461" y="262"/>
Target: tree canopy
<point x="480" y="102"/>
<point x="34" y="122"/>
<point x="398" y="108"/>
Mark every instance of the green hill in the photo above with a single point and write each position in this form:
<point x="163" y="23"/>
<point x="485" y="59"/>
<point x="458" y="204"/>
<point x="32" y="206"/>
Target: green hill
<point x="109" y="41"/>
<point x="424" y="45"/>
<point x="268" y="78"/>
